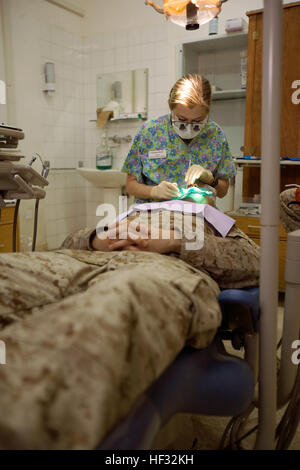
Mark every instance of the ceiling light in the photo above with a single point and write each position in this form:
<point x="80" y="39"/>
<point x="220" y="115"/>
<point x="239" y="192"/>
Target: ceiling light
<point x="188" y="13"/>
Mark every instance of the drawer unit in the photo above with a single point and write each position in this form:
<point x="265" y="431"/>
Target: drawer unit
<point x="251" y="226"/>
<point x="6" y="230"/>
<point x="6" y="238"/>
<point x="7" y="215"/>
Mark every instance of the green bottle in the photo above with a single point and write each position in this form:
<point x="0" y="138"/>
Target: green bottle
<point x="103" y="155"/>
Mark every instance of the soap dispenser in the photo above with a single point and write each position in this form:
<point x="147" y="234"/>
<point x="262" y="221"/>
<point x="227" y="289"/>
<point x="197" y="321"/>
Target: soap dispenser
<point x="103" y="155"/>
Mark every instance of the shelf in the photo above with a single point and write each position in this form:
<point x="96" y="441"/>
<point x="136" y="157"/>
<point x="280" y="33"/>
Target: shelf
<point x="219" y="42"/>
<point x="141" y="118"/>
<point x="229" y="95"/>
<point x="258" y="162"/>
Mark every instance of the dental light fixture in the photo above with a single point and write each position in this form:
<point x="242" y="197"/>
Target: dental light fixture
<point x="189" y="13"/>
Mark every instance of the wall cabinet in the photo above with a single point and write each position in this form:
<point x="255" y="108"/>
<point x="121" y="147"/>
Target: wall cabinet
<point x="290" y="110"/>
<point x="6" y="230"/>
<point x="290" y="117"/>
<point x="218" y="58"/>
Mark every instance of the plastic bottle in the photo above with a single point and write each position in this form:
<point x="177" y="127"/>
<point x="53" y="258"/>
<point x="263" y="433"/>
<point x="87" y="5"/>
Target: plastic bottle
<point x="103" y="155"/>
<point x="214" y="26"/>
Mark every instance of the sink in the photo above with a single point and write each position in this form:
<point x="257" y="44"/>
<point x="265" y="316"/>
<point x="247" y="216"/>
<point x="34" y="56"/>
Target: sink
<point x="103" y="178"/>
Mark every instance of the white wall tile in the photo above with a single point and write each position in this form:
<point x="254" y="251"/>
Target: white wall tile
<point x="161" y="50"/>
<point x="107" y="42"/>
<point x="108" y="57"/>
<point x="148" y="35"/>
<point x="121" y="39"/>
<point x="148" y="51"/>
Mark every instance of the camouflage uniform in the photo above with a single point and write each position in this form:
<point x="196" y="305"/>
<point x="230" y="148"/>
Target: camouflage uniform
<point x="289" y="215"/>
<point x="87" y="332"/>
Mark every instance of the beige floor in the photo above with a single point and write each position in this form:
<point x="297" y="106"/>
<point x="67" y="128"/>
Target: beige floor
<point x="184" y="432"/>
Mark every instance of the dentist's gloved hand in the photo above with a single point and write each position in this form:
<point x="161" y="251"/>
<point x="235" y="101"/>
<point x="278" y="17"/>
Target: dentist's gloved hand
<point x="197" y="172"/>
<point x="164" y="191"/>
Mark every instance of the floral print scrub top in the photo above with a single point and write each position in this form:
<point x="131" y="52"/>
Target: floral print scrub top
<point x="159" y="154"/>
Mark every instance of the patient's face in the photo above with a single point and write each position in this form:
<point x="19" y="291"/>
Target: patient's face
<point x="203" y="199"/>
<point x="206" y="200"/>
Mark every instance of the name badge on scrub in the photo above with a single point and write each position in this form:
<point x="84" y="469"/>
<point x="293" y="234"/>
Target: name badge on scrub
<point x="157" y="154"/>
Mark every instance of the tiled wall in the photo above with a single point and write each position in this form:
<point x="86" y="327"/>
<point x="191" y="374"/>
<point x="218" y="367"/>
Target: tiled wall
<point x="126" y="50"/>
<point x="3" y="115"/>
<point x="63" y="113"/>
<point x="53" y="125"/>
<point x="63" y="132"/>
<point x="65" y="206"/>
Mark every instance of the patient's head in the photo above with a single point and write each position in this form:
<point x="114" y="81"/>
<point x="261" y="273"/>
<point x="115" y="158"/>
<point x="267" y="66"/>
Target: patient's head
<point x="205" y="200"/>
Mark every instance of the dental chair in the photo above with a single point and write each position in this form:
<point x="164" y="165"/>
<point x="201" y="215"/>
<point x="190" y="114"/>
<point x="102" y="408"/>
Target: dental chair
<point x="212" y="382"/>
<point x="208" y="381"/>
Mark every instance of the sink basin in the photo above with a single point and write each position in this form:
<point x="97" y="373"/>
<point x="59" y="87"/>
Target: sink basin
<point x="103" y="178"/>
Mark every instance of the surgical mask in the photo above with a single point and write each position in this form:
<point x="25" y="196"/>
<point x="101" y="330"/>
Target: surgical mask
<point x="188" y="130"/>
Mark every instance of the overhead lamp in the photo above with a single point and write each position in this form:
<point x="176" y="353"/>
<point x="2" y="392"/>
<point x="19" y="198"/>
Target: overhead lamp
<point x="188" y="13"/>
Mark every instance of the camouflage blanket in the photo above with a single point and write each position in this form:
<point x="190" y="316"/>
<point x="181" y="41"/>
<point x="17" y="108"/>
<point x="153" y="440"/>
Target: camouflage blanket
<point x="87" y="332"/>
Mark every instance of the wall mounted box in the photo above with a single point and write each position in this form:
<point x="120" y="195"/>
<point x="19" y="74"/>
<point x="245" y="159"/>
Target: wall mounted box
<point x="235" y="24"/>
<point x="290" y="113"/>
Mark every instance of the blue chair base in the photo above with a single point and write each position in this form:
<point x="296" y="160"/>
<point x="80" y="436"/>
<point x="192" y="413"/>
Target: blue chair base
<point x="207" y="381"/>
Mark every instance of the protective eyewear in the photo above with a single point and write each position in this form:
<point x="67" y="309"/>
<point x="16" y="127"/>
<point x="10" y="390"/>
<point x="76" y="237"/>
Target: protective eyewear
<point x="183" y="125"/>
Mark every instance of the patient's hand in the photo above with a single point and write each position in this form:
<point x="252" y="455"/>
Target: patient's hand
<point x="103" y="240"/>
<point x="137" y="237"/>
<point x="99" y="244"/>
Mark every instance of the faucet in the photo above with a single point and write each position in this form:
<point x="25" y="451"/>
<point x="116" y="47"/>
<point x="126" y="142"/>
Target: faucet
<point x="45" y="165"/>
<point x="119" y="140"/>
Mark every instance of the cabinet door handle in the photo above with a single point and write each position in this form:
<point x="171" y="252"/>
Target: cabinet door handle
<point x="254" y="226"/>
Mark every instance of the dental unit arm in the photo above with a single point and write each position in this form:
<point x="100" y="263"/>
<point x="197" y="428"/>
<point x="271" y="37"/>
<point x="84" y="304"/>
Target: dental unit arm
<point x="19" y="181"/>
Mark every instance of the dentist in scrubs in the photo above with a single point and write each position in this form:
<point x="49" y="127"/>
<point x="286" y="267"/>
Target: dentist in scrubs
<point x="181" y="148"/>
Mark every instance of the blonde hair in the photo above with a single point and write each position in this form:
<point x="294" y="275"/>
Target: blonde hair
<point x="191" y="90"/>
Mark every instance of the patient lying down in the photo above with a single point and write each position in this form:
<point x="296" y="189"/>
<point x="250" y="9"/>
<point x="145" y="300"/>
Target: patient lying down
<point x="90" y="326"/>
<point x="233" y="261"/>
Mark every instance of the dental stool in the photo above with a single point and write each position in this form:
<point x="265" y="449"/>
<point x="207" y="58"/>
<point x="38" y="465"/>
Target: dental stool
<point x="208" y="381"/>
